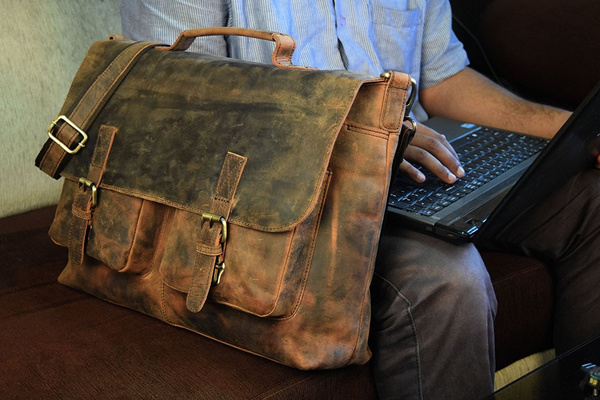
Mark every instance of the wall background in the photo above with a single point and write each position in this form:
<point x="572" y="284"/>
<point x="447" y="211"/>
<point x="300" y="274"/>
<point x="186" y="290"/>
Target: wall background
<point x="42" y="43"/>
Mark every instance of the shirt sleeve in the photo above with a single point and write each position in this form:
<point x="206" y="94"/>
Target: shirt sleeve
<point x="163" y="21"/>
<point x="443" y="54"/>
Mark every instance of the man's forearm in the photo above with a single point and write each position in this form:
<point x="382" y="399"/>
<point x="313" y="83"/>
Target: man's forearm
<point x="469" y="96"/>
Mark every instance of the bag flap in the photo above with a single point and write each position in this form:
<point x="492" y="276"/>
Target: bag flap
<point x="179" y="113"/>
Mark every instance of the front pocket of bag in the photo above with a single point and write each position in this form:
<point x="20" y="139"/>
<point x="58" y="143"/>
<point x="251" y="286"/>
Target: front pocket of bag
<point x="124" y="233"/>
<point x="265" y="272"/>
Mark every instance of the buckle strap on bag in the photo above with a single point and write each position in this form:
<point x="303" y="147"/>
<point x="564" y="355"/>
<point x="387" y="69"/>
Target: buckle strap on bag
<point x="86" y="198"/>
<point x="210" y="251"/>
<point x="397" y="93"/>
<point x="67" y="133"/>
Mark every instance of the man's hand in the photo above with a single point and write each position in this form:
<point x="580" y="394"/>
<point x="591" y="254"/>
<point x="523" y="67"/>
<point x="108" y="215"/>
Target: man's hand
<point x="431" y="150"/>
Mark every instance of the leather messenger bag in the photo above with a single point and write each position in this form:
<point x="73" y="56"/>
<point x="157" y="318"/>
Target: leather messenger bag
<point x="239" y="200"/>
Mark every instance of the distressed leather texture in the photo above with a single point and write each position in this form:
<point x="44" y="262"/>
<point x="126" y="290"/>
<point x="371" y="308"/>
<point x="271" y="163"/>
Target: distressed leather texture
<point x="296" y="162"/>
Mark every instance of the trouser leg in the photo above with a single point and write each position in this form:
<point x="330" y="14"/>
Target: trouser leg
<point x="564" y="230"/>
<point x="433" y="309"/>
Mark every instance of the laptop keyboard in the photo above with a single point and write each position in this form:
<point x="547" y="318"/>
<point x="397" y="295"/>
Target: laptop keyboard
<point x="485" y="155"/>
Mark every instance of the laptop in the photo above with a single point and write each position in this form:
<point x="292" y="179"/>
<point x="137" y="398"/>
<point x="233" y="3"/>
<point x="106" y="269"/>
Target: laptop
<point x="506" y="173"/>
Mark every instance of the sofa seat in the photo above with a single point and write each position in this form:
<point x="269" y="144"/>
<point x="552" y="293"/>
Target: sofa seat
<point x="57" y="342"/>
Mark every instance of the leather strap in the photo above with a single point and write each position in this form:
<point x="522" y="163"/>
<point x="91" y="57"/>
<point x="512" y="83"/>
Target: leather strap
<point x="396" y="94"/>
<point x="282" y="53"/>
<point x="53" y="157"/>
<point x="211" y="234"/>
<point x="83" y="201"/>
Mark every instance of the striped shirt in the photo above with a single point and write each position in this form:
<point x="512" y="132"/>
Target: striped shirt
<point x="369" y="36"/>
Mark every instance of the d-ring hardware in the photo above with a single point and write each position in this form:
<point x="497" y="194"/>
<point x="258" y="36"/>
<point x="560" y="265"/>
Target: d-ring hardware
<point x="411" y="99"/>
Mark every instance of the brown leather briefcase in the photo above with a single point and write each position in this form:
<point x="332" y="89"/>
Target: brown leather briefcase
<point x="239" y="200"/>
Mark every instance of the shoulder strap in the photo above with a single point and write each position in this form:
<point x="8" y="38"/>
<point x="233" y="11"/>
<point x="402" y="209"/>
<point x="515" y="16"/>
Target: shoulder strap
<point x="67" y="133"/>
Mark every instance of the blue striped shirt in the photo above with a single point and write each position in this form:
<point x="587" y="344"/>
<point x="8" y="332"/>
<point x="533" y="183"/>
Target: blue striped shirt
<point x="369" y="36"/>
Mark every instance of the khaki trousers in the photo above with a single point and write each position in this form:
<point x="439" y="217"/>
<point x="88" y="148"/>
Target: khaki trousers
<point x="433" y="303"/>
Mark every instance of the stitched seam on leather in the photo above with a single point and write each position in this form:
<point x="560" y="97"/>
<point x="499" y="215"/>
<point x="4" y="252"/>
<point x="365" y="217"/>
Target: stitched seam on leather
<point x="222" y="199"/>
<point x="135" y="232"/>
<point x="71" y="250"/>
<point x="163" y="307"/>
<point x="211" y="251"/>
<point x="386" y="109"/>
<point x="231" y="171"/>
<point x="382" y="206"/>
<point x="387" y="104"/>
<point x="245" y="309"/>
<point x="361" y="127"/>
<point x="313" y="243"/>
<point x="306" y="268"/>
<point x="112" y="84"/>
<point x="82" y="214"/>
<point x="286" y="265"/>
<point x="159" y="244"/>
<point x="140" y="195"/>
<point x="376" y="134"/>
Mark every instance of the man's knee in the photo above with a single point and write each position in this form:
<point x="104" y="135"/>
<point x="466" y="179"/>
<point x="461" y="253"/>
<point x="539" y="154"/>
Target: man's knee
<point x="425" y="269"/>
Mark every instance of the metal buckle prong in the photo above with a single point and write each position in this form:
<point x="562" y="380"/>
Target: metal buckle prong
<point x="218" y="273"/>
<point x="72" y="125"/>
<point x="86" y="182"/>
<point x="214" y="218"/>
<point x="220" y="263"/>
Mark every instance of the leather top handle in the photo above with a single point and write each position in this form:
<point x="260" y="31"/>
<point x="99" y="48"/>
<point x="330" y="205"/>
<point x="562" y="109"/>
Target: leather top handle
<point x="282" y="54"/>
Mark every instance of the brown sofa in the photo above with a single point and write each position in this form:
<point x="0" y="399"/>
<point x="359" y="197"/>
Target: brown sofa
<point x="545" y="50"/>
<point x="56" y="342"/>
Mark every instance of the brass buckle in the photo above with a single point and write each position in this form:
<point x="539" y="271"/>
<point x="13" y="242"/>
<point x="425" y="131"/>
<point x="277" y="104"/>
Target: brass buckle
<point x="220" y="263"/>
<point x="91" y="185"/>
<point x="214" y="218"/>
<point x="72" y="125"/>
